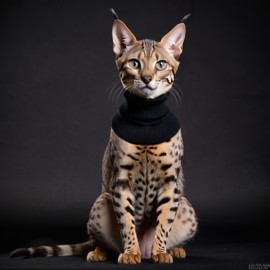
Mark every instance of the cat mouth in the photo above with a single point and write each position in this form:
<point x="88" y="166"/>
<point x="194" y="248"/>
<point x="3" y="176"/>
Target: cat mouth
<point x="145" y="88"/>
<point x="148" y="87"/>
<point x="147" y="91"/>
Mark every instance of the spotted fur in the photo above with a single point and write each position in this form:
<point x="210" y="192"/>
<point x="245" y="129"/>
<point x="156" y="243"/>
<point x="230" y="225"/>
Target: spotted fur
<point x="141" y="212"/>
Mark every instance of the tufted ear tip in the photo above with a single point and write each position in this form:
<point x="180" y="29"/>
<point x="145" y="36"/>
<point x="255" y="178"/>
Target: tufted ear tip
<point x="185" y="18"/>
<point x="115" y="16"/>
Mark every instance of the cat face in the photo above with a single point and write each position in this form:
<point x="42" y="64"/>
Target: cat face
<point x="147" y="67"/>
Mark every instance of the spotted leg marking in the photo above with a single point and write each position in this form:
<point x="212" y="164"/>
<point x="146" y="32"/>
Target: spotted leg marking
<point x="123" y="207"/>
<point x="167" y="206"/>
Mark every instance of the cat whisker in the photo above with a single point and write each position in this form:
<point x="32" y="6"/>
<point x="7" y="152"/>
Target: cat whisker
<point x="178" y="89"/>
<point x="117" y="98"/>
<point x="120" y="92"/>
<point x="111" y="87"/>
<point x="117" y="92"/>
<point x="115" y="88"/>
<point x="133" y="89"/>
<point x="176" y="94"/>
<point x="175" y="97"/>
<point x="156" y="84"/>
<point x="137" y="83"/>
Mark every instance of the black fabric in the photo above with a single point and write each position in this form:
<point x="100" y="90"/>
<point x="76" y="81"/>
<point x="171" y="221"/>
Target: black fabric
<point x="145" y="121"/>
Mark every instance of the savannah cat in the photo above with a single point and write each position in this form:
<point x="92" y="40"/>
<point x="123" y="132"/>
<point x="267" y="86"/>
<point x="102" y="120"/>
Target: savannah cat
<point x="141" y="212"/>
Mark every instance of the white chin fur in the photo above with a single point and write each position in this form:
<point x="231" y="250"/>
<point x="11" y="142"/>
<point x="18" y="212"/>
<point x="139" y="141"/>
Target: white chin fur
<point x="150" y="94"/>
<point x="153" y="90"/>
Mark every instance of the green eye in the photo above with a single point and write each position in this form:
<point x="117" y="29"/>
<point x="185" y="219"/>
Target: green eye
<point x="161" y="65"/>
<point x="134" y="63"/>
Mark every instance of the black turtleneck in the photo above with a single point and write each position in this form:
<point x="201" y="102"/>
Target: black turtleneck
<point x="145" y="121"/>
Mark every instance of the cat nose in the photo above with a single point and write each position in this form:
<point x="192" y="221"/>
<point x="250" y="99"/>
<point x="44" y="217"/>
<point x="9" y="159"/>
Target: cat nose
<point x="147" y="79"/>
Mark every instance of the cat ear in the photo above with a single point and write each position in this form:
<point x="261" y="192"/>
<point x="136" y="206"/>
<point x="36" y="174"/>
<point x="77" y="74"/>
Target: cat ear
<point x="173" y="41"/>
<point x="122" y="37"/>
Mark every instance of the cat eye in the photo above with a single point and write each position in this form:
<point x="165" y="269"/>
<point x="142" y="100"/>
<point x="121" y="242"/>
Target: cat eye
<point x="134" y="63"/>
<point x="161" y="65"/>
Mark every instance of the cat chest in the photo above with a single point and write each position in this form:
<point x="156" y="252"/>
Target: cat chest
<point x="146" y="168"/>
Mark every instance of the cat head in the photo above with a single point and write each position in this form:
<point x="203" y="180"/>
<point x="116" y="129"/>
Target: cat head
<point x="146" y="67"/>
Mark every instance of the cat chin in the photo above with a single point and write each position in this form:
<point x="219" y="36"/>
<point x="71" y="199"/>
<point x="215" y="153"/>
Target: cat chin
<point x="148" y="93"/>
<point x="151" y="94"/>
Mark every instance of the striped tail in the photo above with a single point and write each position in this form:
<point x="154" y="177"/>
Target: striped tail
<point x="80" y="249"/>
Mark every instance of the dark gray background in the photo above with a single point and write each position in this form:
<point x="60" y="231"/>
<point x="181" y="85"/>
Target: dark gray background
<point x="56" y="72"/>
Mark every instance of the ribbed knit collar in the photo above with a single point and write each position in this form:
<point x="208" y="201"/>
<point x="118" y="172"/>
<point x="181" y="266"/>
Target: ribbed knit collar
<point x="145" y="121"/>
<point x="145" y="112"/>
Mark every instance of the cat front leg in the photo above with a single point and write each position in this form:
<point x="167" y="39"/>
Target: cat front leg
<point x="123" y="202"/>
<point x="167" y="205"/>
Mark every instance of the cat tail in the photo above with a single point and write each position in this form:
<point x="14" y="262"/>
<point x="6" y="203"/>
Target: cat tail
<point x="80" y="249"/>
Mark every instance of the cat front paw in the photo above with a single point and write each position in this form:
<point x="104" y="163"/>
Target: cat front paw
<point x="162" y="258"/>
<point x="128" y="258"/>
<point x="98" y="255"/>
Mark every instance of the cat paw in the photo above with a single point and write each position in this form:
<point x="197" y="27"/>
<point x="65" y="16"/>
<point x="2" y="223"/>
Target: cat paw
<point x="98" y="255"/>
<point x="178" y="252"/>
<point x="127" y="258"/>
<point x="162" y="258"/>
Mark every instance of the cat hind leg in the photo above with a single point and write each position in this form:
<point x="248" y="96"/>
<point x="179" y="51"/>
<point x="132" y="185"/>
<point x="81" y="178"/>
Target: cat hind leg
<point x="103" y="229"/>
<point x="183" y="229"/>
<point x="97" y="255"/>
